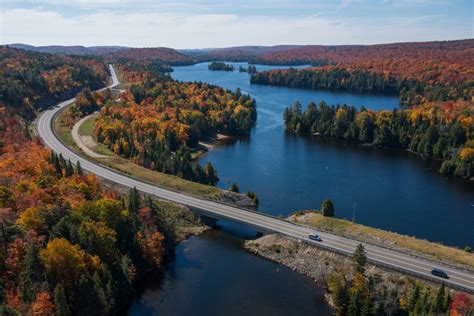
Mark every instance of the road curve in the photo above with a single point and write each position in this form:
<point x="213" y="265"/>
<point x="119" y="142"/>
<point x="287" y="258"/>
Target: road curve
<point x="406" y="263"/>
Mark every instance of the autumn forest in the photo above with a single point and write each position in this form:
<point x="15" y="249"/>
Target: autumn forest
<point x="70" y="244"/>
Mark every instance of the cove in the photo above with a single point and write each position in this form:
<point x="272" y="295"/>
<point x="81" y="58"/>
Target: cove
<point x="213" y="275"/>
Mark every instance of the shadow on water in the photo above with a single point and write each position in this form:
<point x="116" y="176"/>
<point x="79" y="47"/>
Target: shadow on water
<point x="213" y="275"/>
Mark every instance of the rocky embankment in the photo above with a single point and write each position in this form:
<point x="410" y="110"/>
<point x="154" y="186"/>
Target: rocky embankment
<point x="312" y="261"/>
<point x="320" y="264"/>
<point x="237" y="199"/>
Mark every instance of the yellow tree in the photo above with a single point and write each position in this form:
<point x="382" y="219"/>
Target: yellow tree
<point x="65" y="262"/>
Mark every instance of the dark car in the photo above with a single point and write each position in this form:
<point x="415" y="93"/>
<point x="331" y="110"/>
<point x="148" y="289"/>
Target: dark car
<point x="315" y="237"/>
<point x="439" y="273"/>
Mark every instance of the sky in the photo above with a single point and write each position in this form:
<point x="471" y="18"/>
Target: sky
<point x="214" y="23"/>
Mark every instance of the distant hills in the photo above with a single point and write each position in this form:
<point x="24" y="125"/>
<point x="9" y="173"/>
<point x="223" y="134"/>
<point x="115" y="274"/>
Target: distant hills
<point x="70" y="50"/>
<point x="458" y="51"/>
<point x="167" y="55"/>
<point x="238" y="53"/>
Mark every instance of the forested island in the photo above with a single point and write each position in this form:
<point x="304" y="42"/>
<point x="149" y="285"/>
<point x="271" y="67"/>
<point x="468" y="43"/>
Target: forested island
<point x="220" y="66"/>
<point x="438" y="130"/>
<point x="251" y="69"/>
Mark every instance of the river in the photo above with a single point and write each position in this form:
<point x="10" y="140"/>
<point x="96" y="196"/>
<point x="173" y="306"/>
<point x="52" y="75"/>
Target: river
<point x="391" y="189"/>
<point x="213" y="275"/>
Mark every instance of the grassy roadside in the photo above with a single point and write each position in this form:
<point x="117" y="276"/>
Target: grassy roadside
<point x="87" y="126"/>
<point x="382" y="237"/>
<point x="313" y="219"/>
<point x="126" y="166"/>
<point x="86" y="129"/>
<point x="63" y="129"/>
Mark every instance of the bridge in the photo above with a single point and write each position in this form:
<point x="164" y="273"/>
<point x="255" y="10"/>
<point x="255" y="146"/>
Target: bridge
<point x="390" y="258"/>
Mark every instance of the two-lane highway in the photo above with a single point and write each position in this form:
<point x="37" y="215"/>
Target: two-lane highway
<point x="390" y="258"/>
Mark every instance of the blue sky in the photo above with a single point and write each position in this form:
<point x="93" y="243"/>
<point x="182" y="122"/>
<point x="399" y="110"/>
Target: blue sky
<point x="199" y="24"/>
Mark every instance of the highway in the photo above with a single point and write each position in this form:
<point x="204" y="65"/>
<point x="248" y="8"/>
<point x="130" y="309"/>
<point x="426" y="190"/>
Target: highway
<point x="393" y="259"/>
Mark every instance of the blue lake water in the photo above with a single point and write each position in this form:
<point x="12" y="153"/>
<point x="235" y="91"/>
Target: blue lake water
<point x="391" y="189"/>
<point x="212" y="274"/>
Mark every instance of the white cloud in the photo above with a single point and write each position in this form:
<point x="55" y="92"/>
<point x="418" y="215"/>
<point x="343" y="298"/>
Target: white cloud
<point x="186" y="30"/>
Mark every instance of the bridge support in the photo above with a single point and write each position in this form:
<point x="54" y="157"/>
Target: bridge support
<point x="209" y="221"/>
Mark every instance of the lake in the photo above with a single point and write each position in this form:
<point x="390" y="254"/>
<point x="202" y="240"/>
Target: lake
<point x="213" y="275"/>
<point x="391" y="189"/>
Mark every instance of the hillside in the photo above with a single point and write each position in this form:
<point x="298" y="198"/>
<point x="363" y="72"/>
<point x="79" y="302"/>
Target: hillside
<point x="236" y="54"/>
<point x="31" y="81"/>
<point x="447" y="61"/>
<point x="70" y="50"/>
<point x="69" y="244"/>
<point x="163" y="54"/>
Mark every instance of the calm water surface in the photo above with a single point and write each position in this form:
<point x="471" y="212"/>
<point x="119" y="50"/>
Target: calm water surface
<point x="391" y="189"/>
<point x="213" y="275"/>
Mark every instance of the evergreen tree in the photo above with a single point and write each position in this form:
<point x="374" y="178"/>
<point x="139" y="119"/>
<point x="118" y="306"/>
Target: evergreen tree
<point x="438" y="303"/>
<point x="211" y="174"/>
<point x="341" y="296"/>
<point x="133" y="200"/>
<point x="6" y="310"/>
<point x="393" y="304"/>
<point x="69" y="168"/>
<point x="62" y="161"/>
<point x="60" y="302"/>
<point x="253" y="196"/>
<point x="199" y="173"/>
<point x="359" y="258"/>
<point x="33" y="274"/>
<point x="79" y="170"/>
<point x="234" y="188"/>
<point x="422" y="306"/>
<point x="447" y="301"/>
<point x="414" y="297"/>
<point x="89" y="297"/>
<point x="327" y="208"/>
<point x="53" y="157"/>
<point x="57" y="165"/>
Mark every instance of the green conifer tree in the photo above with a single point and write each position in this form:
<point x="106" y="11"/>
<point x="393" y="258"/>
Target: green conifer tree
<point x="60" y="301"/>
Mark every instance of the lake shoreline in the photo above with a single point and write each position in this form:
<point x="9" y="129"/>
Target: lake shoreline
<point x="213" y="142"/>
<point x="291" y="173"/>
<point x="323" y="265"/>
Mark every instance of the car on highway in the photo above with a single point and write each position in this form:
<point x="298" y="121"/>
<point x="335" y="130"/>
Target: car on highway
<point x="315" y="238"/>
<point x="439" y="273"/>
